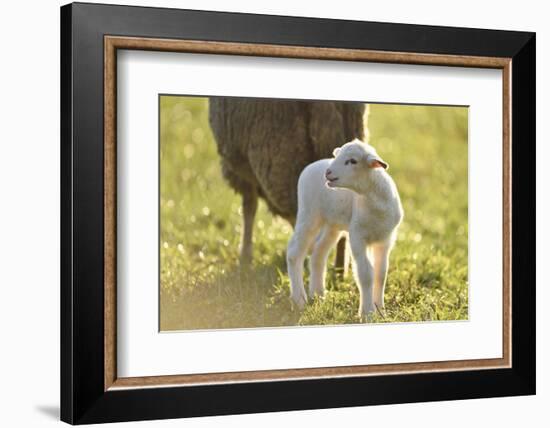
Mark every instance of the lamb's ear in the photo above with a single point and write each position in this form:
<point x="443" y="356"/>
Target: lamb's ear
<point x="376" y="162"/>
<point x="336" y="151"/>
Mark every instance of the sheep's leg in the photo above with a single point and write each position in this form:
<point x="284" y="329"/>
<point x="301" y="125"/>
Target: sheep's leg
<point x="363" y="275"/>
<point x="381" y="253"/>
<point x="250" y="205"/>
<point x="318" y="260"/>
<point x="341" y="262"/>
<point x="298" y="246"/>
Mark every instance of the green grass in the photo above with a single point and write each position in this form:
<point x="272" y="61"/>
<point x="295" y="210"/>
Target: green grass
<point x="202" y="285"/>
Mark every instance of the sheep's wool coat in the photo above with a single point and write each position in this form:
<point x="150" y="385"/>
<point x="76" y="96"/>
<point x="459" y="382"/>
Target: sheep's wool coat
<point x="265" y="144"/>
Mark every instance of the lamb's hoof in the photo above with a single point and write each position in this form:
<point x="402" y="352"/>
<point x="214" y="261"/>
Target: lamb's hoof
<point x="316" y="294"/>
<point x="299" y="301"/>
<point x="366" y="316"/>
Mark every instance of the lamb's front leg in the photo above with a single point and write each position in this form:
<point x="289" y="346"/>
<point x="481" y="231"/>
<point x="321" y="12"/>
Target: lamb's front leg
<point x="301" y="240"/>
<point x="363" y="274"/>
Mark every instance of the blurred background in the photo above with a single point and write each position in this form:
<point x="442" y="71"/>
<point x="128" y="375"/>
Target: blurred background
<point x="202" y="285"/>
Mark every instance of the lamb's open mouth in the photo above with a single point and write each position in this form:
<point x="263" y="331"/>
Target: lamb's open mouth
<point x="331" y="180"/>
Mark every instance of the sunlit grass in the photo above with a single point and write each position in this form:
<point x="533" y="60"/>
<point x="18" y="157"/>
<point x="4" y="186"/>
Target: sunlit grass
<point x="202" y="285"/>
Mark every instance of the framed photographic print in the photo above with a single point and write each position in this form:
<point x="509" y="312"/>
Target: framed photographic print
<point x="265" y="213"/>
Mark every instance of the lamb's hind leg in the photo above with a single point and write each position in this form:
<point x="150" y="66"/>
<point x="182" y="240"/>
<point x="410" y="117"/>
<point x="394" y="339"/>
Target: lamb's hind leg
<point x="298" y="246"/>
<point x="318" y="260"/>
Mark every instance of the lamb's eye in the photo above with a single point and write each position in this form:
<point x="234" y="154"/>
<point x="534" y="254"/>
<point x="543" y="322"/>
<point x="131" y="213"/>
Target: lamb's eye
<point x="352" y="161"/>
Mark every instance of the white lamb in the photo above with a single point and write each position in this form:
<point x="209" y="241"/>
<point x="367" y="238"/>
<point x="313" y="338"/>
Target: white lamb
<point x="353" y="193"/>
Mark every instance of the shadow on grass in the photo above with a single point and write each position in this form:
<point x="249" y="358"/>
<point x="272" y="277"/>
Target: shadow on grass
<point x="237" y="298"/>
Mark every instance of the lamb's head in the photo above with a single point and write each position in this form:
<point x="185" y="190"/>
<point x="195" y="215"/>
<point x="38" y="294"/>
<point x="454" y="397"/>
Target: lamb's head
<point x="352" y="165"/>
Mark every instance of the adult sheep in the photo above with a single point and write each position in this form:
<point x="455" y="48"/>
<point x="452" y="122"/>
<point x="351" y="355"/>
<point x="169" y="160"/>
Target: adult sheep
<point x="265" y="144"/>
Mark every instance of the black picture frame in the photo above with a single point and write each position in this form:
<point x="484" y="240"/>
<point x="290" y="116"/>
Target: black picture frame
<point x="83" y="398"/>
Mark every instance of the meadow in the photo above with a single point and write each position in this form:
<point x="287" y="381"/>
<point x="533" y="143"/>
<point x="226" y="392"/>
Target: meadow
<point x="202" y="285"/>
